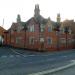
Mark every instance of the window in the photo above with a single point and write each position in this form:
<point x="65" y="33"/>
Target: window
<point x="18" y="40"/>
<point x="41" y="40"/>
<point x="70" y="31"/>
<point x="49" y="41"/>
<point x="62" y="40"/>
<point x="69" y="40"/>
<point x="42" y="28"/>
<point x="11" y="31"/>
<point x="61" y="30"/>
<point x="57" y="33"/>
<point x="49" y="29"/>
<point x="31" y="40"/>
<point x="31" y="28"/>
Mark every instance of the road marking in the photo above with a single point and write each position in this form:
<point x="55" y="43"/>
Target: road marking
<point x="31" y="55"/>
<point x="41" y="61"/>
<point x="56" y="69"/>
<point x="3" y="56"/>
<point x="15" y="52"/>
<point x="64" y="56"/>
<point x="11" y="56"/>
<point x="19" y="54"/>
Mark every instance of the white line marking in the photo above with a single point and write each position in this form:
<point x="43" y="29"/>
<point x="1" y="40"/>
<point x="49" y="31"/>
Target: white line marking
<point x="11" y="56"/>
<point x="56" y="69"/>
<point x="64" y="56"/>
<point x="31" y="55"/>
<point x="17" y="55"/>
<point x="15" y="52"/>
<point x="41" y="61"/>
<point x="4" y="56"/>
<point x="21" y="54"/>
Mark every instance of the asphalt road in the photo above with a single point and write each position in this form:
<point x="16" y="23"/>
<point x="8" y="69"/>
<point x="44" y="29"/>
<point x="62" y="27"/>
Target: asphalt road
<point x="22" y="62"/>
<point x="68" y="71"/>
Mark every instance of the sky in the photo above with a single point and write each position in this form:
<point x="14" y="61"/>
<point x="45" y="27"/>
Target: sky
<point x="48" y="8"/>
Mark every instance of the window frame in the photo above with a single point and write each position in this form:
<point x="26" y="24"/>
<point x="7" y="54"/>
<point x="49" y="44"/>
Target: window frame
<point x="63" y="40"/>
<point x="32" y="28"/>
<point x="49" y="38"/>
<point x="42" y="39"/>
<point x="18" y="40"/>
<point x="31" y="39"/>
<point x="49" y="27"/>
<point x="42" y="28"/>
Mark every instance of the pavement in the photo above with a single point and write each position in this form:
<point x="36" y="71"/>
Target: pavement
<point x="22" y="62"/>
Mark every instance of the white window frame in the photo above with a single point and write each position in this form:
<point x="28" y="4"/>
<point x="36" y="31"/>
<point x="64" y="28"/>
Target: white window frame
<point x="70" y="31"/>
<point x="42" y="39"/>
<point x="31" y="28"/>
<point x="42" y="28"/>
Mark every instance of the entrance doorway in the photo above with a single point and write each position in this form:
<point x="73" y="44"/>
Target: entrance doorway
<point x="42" y="44"/>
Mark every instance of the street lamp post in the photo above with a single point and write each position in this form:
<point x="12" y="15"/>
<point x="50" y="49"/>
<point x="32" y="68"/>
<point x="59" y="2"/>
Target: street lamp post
<point x="57" y="29"/>
<point x="66" y="32"/>
<point x="15" y="36"/>
<point x="25" y="29"/>
<point x="57" y="40"/>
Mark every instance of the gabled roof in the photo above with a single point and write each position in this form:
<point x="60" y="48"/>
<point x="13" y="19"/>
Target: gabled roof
<point x="14" y="26"/>
<point x="52" y="23"/>
<point x="31" y="20"/>
<point x="39" y="20"/>
<point x="1" y="28"/>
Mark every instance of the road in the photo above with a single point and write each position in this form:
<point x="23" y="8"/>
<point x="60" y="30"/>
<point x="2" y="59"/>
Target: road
<point x="21" y="62"/>
<point x="68" y="71"/>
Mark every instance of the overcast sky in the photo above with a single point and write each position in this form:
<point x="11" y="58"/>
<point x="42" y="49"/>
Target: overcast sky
<point x="48" y="8"/>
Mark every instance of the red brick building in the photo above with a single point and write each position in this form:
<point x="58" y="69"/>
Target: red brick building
<point x="2" y="30"/>
<point x="39" y="33"/>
